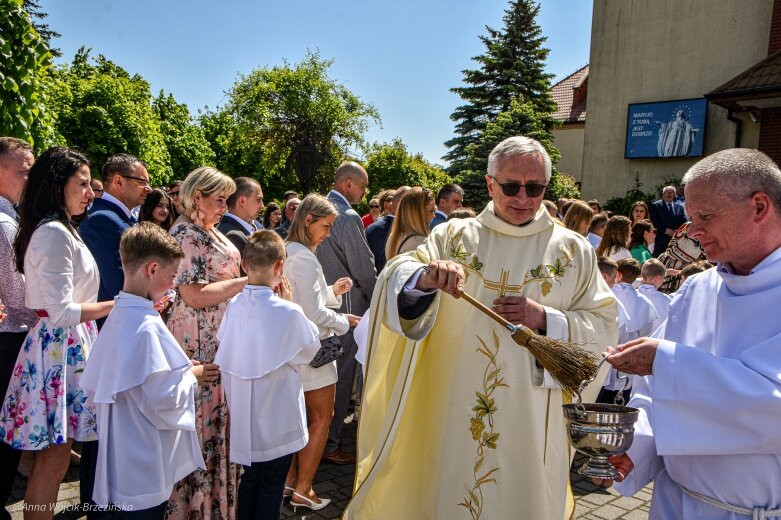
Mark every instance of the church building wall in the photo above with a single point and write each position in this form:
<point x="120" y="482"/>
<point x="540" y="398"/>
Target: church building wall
<point x="568" y="139"/>
<point x="664" y="50"/>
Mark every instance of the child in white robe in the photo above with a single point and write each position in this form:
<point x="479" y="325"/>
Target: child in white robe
<point x="640" y="315"/>
<point x="264" y="339"/>
<point x="653" y="273"/>
<point x="142" y="384"/>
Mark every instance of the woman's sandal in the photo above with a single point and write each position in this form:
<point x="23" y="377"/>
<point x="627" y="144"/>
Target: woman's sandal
<point x="308" y="503"/>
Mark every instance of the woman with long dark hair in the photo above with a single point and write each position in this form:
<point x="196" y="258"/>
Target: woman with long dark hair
<point x="44" y="408"/>
<point x="273" y="216"/>
<point x="638" y="212"/>
<point x="158" y="209"/>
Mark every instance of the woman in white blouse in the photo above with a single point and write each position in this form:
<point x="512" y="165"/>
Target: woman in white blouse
<point x="312" y="224"/>
<point x="44" y="408"/>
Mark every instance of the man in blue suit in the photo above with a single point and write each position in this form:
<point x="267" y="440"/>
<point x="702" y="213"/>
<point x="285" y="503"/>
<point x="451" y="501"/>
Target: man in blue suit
<point x="125" y="185"/>
<point x="449" y="197"/>
<point x="377" y="233"/>
<point x="667" y="215"/>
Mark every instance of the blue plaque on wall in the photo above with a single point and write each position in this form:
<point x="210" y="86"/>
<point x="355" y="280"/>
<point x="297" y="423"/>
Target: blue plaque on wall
<point x="666" y="128"/>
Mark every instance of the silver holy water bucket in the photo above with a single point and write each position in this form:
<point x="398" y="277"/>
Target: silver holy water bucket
<point x="600" y="431"/>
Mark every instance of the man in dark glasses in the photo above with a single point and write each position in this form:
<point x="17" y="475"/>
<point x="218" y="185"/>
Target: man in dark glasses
<point x="442" y="376"/>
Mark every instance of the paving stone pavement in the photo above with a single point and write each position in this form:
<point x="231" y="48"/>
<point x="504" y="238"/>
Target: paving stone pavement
<point x="336" y="482"/>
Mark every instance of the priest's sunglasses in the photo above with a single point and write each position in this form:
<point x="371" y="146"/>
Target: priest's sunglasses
<point x="511" y="189"/>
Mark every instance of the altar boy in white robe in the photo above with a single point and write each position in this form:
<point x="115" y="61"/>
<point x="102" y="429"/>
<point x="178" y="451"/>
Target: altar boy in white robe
<point x="710" y="408"/>
<point x="653" y="273"/>
<point x="264" y="339"/>
<point x="640" y="316"/>
<point x="142" y="384"/>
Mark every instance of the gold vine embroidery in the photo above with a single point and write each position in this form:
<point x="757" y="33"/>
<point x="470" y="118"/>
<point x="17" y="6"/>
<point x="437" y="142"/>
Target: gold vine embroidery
<point x="544" y="274"/>
<point x="481" y="426"/>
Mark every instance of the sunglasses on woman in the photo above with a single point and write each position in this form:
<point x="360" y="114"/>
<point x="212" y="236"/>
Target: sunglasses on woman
<point x="511" y="189"/>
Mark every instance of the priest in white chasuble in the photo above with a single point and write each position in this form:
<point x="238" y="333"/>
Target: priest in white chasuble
<point x="457" y="420"/>
<point x="709" y="429"/>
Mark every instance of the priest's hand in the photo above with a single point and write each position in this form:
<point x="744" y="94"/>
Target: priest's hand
<point x="635" y="357"/>
<point x="622" y="463"/>
<point x="444" y="275"/>
<point x="520" y="310"/>
<point x="204" y="372"/>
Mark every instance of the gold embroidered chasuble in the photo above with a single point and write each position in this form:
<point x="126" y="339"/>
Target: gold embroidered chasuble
<point x="457" y="420"/>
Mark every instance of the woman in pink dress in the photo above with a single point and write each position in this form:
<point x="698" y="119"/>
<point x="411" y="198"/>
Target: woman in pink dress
<point x="208" y="277"/>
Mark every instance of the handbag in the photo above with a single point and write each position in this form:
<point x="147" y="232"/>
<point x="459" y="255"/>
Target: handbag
<point x="330" y="349"/>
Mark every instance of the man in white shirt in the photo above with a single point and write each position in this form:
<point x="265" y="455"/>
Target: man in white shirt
<point x="16" y="158"/>
<point x="710" y="406"/>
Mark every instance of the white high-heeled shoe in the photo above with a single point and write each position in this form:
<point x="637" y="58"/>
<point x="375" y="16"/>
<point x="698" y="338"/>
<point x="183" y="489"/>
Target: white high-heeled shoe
<point x="309" y="503"/>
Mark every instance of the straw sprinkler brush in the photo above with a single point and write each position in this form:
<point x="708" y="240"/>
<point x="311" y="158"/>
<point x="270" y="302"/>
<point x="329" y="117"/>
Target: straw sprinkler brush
<point x="568" y="363"/>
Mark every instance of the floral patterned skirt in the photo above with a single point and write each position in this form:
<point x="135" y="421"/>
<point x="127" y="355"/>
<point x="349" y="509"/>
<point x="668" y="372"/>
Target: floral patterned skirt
<point x="44" y="404"/>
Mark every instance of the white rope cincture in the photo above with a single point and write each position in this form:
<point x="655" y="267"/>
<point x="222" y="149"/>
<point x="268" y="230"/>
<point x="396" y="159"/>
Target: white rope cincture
<point x="758" y="513"/>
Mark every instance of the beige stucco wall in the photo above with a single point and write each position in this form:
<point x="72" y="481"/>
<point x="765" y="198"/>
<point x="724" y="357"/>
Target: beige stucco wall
<point x="568" y="139"/>
<point x="660" y="50"/>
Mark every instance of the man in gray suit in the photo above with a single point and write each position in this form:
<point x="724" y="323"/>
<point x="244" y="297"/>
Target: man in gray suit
<point x="346" y="253"/>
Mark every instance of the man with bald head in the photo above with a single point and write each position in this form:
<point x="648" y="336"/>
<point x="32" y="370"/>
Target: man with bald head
<point x="377" y="233"/>
<point x="710" y="401"/>
<point x="346" y="253"/>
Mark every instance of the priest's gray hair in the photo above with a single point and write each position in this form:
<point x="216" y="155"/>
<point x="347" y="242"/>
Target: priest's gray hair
<point x="738" y="173"/>
<point x="518" y="145"/>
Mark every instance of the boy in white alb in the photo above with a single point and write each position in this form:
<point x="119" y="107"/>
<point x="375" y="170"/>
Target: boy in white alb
<point x="142" y="385"/>
<point x="263" y="341"/>
<point x="653" y="273"/>
<point x="640" y="316"/>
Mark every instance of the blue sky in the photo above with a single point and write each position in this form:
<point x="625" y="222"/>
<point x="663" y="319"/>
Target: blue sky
<point x="402" y="56"/>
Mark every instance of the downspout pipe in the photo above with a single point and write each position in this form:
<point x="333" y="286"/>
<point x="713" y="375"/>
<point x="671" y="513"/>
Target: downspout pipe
<point x="738" y="126"/>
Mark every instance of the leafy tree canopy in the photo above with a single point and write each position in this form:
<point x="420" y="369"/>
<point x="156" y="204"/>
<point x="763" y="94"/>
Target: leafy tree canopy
<point x="25" y="62"/>
<point x="390" y="165"/>
<point x="289" y="123"/>
<point x="186" y="142"/>
<point x="103" y="109"/>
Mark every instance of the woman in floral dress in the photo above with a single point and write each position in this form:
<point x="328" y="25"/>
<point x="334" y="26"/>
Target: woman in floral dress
<point x="208" y="277"/>
<point x="44" y="408"/>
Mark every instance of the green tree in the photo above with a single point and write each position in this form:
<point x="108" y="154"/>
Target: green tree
<point x="522" y="118"/>
<point x="103" y="110"/>
<point x="34" y="9"/>
<point x="390" y="165"/>
<point x="513" y="65"/>
<point x="293" y="123"/>
<point x="25" y="62"/>
<point x="185" y="141"/>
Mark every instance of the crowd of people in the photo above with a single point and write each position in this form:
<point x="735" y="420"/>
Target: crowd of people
<point x="203" y="347"/>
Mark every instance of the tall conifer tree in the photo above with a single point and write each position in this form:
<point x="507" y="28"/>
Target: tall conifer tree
<point x="513" y="65"/>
